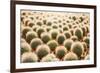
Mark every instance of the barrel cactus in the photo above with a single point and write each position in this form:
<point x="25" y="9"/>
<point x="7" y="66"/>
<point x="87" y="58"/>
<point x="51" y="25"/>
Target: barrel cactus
<point x="61" y="38"/>
<point x="67" y="34"/>
<point x="25" y="47"/>
<point x="52" y="44"/>
<point x="77" y="48"/>
<point x="39" y="23"/>
<point x="29" y="57"/>
<point x="54" y="33"/>
<point x="60" y="51"/>
<point x="70" y="56"/>
<point x="40" y="31"/>
<point x="49" y="58"/>
<point x="87" y="41"/>
<point x="35" y="42"/>
<point x="30" y="24"/>
<point x="79" y="33"/>
<point x="74" y="38"/>
<point x="68" y="43"/>
<point x="42" y="50"/>
<point x="65" y="28"/>
<point x="31" y="35"/>
<point x="25" y="30"/>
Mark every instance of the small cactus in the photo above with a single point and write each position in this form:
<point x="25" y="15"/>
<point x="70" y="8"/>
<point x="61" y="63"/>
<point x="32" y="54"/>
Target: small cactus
<point x="61" y="38"/>
<point x="67" y="34"/>
<point x="52" y="44"/>
<point x="39" y="23"/>
<point x="31" y="35"/>
<point x="77" y="48"/>
<point x="84" y="30"/>
<point x="42" y="50"/>
<point x="70" y="56"/>
<point x="35" y="42"/>
<point x="87" y="41"/>
<point x="79" y="33"/>
<point x="68" y="43"/>
<point x="49" y="23"/>
<point x="45" y="37"/>
<point x="40" y="31"/>
<point x="25" y="47"/>
<point x="54" y="33"/>
<point x="25" y="30"/>
<point x="29" y="57"/>
<point x="34" y="28"/>
<point x="49" y="58"/>
<point x="65" y="28"/>
<point x="60" y="51"/>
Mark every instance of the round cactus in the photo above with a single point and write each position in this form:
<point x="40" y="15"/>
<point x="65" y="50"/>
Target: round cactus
<point x="60" y="51"/>
<point x="68" y="43"/>
<point x="67" y="34"/>
<point x="49" y="23"/>
<point x="35" y="42"/>
<point x="49" y="58"/>
<point x="65" y="28"/>
<point x="54" y="33"/>
<point x="30" y="24"/>
<point x="25" y="30"/>
<point x="87" y="41"/>
<point x="45" y="37"/>
<point x="39" y="23"/>
<point x="77" y="48"/>
<point x="70" y="56"/>
<point x="48" y="28"/>
<point x="25" y="47"/>
<point x="29" y="57"/>
<point x="40" y="31"/>
<point x="31" y="35"/>
<point x="74" y="38"/>
<point x="61" y="38"/>
<point x="79" y="33"/>
<point x="54" y="26"/>
<point x="52" y="44"/>
<point x="84" y="30"/>
<point x="42" y="50"/>
<point x="34" y="28"/>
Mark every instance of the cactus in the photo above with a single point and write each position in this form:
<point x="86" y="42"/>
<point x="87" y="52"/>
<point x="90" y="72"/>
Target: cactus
<point x="29" y="57"/>
<point x="60" y="51"/>
<point x="70" y="56"/>
<point x="54" y="26"/>
<point x="25" y="47"/>
<point x="84" y="30"/>
<point x="67" y="34"/>
<point x="61" y="38"/>
<point x="31" y="35"/>
<point x="49" y="23"/>
<point x="30" y="24"/>
<point x="74" y="38"/>
<point x="35" y="42"/>
<point x="45" y="37"/>
<point x="39" y="23"/>
<point x="65" y="28"/>
<point x="68" y="43"/>
<point x="54" y="33"/>
<point x="34" y="28"/>
<point x="42" y="50"/>
<point x="49" y="58"/>
<point x="87" y="41"/>
<point x="25" y="30"/>
<point x="79" y="33"/>
<point x="40" y="31"/>
<point x="52" y="44"/>
<point x="77" y="48"/>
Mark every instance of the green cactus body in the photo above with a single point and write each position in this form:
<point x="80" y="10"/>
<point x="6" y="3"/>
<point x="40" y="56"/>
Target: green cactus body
<point x="25" y="30"/>
<point x="34" y="28"/>
<point x="45" y="37"/>
<point x="68" y="43"/>
<point x="54" y="33"/>
<point x="61" y="38"/>
<point x="67" y="34"/>
<point x="70" y="57"/>
<point x="42" y="50"/>
<point x="65" y="28"/>
<point x="39" y="23"/>
<point x="25" y="47"/>
<point x="52" y="44"/>
<point x="40" y="31"/>
<point x="31" y="35"/>
<point x="87" y="41"/>
<point x="29" y="57"/>
<point x="35" y="42"/>
<point x="60" y="51"/>
<point x="79" y="33"/>
<point x="77" y="48"/>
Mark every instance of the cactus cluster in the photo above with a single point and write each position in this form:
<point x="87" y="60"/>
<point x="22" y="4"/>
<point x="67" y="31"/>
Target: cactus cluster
<point x="54" y="36"/>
